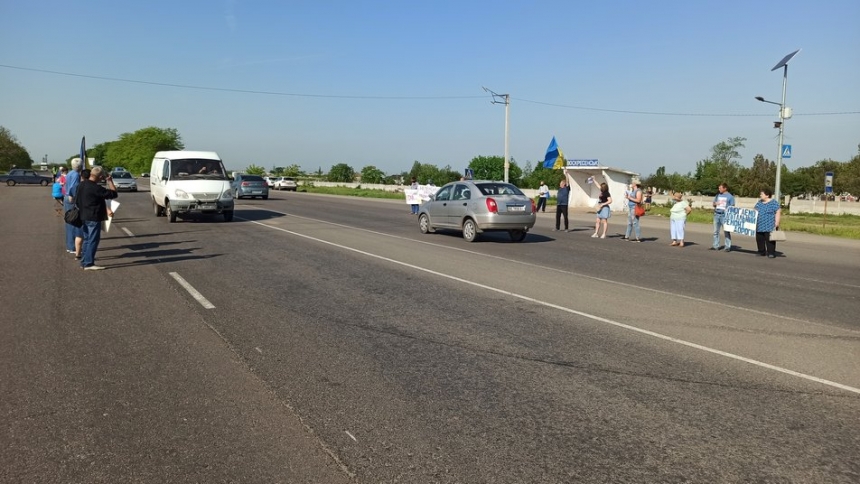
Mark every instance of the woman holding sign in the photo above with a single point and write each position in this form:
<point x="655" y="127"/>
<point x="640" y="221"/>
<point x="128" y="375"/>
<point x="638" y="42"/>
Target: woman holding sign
<point x="769" y="213"/>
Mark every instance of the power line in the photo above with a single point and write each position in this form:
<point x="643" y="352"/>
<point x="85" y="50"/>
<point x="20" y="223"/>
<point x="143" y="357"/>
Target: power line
<point x="225" y="89"/>
<point x="658" y="113"/>
<point x="336" y="96"/>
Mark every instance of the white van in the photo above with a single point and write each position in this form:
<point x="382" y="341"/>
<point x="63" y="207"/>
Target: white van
<point x="183" y="182"/>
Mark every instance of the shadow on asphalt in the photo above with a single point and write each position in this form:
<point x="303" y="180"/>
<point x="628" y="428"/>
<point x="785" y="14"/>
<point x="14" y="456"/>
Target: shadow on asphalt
<point x="495" y="237"/>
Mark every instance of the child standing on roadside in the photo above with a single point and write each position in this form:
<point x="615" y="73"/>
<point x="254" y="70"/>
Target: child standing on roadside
<point x="678" y="219"/>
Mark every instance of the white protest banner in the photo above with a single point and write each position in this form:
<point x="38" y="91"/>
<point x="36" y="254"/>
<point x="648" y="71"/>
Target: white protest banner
<point x="422" y="194"/>
<point x="740" y="221"/>
<point x="413" y="196"/>
<point x="427" y="191"/>
<point x="113" y="206"/>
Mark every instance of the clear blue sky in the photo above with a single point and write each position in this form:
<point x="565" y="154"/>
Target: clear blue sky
<point x="349" y="77"/>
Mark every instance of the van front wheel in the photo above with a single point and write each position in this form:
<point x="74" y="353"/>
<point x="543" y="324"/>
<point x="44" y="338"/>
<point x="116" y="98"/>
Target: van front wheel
<point x="156" y="209"/>
<point x="171" y="215"/>
<point x="228" y="215"/>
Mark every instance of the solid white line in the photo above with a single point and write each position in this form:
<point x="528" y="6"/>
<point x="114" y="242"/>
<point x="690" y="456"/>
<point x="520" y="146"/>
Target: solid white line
<point x="628" y="327"/>
<point x="587" y="276"/>
<point x="127" y="231"/>
<point x="194" y="293"/>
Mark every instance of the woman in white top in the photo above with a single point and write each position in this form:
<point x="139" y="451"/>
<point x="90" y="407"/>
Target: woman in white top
<point x="678" y="219"/>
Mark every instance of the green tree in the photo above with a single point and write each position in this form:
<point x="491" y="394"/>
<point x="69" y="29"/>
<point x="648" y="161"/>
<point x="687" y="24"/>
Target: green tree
<point x="372" y="174"/>
<point x="850" y="175"/>
<point x="134" y="151"/>
<point x="751" y="180"/>
<point x="722" y="166"/>
<point x="493" y="168"/>
<point x="255" y="170"/>
<point x="292" y="170"/>
<point x="658" y="180"/>
<point x="99" y="153"/>
<point x="681" y="183"/>
<point x="341" y="173"/>
<point x="551" y="177"/>
<point x="12" y="153"/>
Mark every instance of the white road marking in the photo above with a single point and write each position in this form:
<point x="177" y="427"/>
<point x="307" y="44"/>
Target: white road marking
<point x="194" y="293"/>
<point x="587" y="276"/>
<point x="593" y="317"/>
<point x="127" y="231"/>
<point x="350" y="435"/>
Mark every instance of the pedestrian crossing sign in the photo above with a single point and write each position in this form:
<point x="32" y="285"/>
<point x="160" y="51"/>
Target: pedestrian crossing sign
<point x="786" y="151"/>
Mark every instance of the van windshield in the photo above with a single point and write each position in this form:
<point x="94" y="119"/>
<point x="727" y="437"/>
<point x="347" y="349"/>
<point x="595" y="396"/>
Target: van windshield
<point x="197" y="168"/>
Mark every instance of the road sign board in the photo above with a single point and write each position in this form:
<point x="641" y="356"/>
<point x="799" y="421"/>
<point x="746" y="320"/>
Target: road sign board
<point x="828" y="182"/>
<point x="786" y="151"/>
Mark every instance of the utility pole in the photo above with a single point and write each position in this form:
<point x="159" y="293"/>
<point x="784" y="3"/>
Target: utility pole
<point x="506" y="100"/>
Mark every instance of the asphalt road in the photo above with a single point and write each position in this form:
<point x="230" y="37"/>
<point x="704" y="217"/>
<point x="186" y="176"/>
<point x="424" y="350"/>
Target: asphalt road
<point x="332" y="342"/>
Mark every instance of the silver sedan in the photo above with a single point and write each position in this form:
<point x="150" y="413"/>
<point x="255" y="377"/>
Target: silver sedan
<point x="477" y="206"/>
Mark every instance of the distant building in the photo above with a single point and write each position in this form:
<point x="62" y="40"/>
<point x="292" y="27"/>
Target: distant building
<point x="584" y="178"/>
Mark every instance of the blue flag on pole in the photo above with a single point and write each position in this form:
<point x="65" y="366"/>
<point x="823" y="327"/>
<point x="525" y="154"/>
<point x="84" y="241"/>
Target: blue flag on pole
<point x="554" y="156"/>
<point x="84" y="151"/>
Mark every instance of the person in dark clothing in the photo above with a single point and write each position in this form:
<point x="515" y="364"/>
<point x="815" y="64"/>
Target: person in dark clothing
<point x="562" y="198"/>
<point x="90" y="200"/>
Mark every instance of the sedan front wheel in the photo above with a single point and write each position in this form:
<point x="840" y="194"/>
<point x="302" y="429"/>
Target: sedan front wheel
<point x="424" y="224"/>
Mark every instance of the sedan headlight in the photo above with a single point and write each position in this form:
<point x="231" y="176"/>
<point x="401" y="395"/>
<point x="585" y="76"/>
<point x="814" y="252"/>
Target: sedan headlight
<point x="181" y="193"/>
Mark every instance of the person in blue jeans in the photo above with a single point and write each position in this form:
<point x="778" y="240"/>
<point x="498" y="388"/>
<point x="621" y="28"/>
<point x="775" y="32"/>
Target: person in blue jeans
<point x="722" y="201"/>
<point x="414" y="186"/>
<point x="634" y="197"/>
<point x="91" y="204"/>
<point x="74" y="235"/>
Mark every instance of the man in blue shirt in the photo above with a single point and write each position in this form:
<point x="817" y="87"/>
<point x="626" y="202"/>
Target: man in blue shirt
<point x="562" y="198"/>
<point x="74" y="235"/>
<point x="722" y="201"/>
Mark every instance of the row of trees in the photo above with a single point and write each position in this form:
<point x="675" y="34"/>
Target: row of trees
<point x="723" y="166"/>
<point x="11" y="152"/>
<point x="134" y="151"/>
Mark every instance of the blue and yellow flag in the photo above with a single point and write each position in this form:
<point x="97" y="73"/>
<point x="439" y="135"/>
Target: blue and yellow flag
<point x="554" y="156"/>
<point x="84" y="151"/>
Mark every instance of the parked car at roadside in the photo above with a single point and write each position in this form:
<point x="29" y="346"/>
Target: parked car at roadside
<point x="124" y="181"/>
<point x="285" y="183"/>
<point x="250" y="186"/>
<point x="477" y="206"/>
<point x="20" y="176"/>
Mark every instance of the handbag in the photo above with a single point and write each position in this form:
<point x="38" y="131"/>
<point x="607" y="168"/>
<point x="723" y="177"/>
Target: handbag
<point x="639" y="210"/>
<point x="777" y="236"/>
<point x="73" y="217"/>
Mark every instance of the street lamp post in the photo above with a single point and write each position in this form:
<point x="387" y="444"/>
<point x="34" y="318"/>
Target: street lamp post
<point x="784" y="113"/>
<point x="781" y="125"/>
<point x="506" y="99"/>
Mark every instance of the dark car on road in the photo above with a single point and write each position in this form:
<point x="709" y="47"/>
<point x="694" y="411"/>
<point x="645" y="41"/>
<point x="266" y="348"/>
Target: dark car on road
<point x="25" y="177"/>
